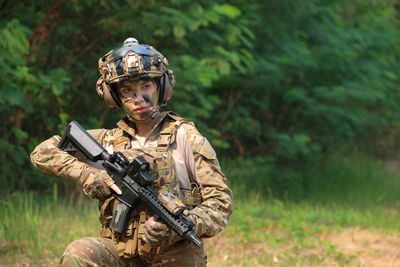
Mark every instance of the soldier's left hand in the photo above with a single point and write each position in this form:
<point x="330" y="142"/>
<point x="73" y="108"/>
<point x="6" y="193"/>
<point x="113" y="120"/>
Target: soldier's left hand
<point x="155" y="233"/>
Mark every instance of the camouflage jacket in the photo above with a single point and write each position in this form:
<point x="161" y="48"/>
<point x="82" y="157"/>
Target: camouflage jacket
<point x="202" y="168"/>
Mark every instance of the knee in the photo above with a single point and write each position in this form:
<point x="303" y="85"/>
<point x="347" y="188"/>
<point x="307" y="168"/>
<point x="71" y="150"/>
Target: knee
<point x="91" y="251"/>
<point x="76" y="253"/>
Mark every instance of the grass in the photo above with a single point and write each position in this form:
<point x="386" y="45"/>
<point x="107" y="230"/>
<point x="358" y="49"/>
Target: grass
<point x="292" y="231"/>
<point x="38" y="228"/>
<point x="298" y="226"/>
<point x="355" y="180"/>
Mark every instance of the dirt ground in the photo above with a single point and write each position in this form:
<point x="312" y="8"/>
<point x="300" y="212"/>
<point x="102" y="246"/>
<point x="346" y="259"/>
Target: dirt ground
<point x="363" y="247"/>
<point x="369" y="248"/>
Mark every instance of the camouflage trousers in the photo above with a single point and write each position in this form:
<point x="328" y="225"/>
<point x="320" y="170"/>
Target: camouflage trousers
<point x="92" y="251"/>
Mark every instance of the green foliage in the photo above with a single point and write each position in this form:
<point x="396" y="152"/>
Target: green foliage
<point x="346" y="178"/>
<point x="326" y="74"/>
<point x="281" y="81"/>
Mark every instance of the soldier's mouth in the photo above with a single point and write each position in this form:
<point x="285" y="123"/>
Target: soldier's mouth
<point x="141" y="109"/>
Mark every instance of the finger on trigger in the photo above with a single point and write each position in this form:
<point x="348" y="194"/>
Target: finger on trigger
<point x="116" y="189"/>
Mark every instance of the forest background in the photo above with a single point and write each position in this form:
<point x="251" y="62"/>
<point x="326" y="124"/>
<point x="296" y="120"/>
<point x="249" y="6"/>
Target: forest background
<point x="278" y="87"/>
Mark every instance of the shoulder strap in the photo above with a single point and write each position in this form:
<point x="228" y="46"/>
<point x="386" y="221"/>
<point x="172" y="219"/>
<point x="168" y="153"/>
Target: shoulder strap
<point x="168" y="131"/>
<point x="174" y="116"/>
<point x="165" y="139"/>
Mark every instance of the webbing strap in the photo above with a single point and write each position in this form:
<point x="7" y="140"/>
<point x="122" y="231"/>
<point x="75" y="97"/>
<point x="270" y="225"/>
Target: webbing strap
<point x="167" y="135"/>
<point x="163" y="142"/>
<point x="165" y="139"/>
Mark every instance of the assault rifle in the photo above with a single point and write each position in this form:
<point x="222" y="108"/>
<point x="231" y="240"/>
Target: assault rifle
<point x="135" y="182"/>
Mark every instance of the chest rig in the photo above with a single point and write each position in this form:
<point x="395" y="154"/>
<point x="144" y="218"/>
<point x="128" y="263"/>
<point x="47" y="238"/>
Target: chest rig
<point x="162" y="169"/>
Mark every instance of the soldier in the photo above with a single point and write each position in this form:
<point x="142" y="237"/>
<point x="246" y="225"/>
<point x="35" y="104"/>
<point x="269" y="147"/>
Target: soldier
<point x="136" y="77"/>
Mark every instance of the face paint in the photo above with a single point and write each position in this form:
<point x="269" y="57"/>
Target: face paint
<point x="139" y="99"/>
<point x="146" y="98"/>
<point x="154" y="98"/>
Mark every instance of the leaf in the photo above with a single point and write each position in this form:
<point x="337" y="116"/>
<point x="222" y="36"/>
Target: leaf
<point x="228" y="10"/>
<point x="223" y="67"/>
<point x="20" y="134"/>
<point x="179" y="31"/>
<point x="390" y="75"/>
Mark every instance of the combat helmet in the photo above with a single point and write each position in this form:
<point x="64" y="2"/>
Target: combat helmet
<point x="133" y="61"/>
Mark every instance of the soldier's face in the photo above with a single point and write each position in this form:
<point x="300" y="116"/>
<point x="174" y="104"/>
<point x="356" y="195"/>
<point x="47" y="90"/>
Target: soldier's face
<point x="139" y="98"/>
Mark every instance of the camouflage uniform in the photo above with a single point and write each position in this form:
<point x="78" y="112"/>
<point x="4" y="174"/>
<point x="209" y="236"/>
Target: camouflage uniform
<point x="203" y="190"/>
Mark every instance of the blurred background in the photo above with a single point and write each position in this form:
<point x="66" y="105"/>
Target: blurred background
<point x="299" y="98"/>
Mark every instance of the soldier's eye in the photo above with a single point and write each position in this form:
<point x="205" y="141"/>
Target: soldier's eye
<point x="147" y="85"/>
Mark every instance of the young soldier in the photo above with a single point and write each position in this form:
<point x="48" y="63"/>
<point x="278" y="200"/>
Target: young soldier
<point x="136" y="77"/>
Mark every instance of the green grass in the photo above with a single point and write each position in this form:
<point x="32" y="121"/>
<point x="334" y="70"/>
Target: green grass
<point x="41" y="227"/>
<point x="354" y="179"/>
<point x="268" y="227"/>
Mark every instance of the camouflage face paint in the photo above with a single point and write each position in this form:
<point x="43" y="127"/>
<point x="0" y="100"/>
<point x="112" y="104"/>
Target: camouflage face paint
<point x="135" y="115"/>
<point x="154" y="98"/>
<point x="146" y="98"/>
<point x="139" y="99"/>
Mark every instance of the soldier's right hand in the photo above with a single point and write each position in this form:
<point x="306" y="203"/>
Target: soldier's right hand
<point x="98" y="183"/>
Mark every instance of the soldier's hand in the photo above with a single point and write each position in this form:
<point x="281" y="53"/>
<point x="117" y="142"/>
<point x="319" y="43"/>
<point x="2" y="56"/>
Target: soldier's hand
<point x="110" y="183"/>
<point x="98" y="183"/>
<point x="155" y="233"/>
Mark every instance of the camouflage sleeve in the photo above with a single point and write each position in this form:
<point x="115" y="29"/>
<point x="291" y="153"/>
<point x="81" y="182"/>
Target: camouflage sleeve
<point x="48" y="158"/>
<point x="212" y="215"/>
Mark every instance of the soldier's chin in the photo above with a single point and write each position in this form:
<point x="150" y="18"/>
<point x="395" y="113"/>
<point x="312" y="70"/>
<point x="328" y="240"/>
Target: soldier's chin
<point x="143" y="117"/>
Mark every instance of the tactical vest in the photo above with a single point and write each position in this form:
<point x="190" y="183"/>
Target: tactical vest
<point x="163" y="171"/>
